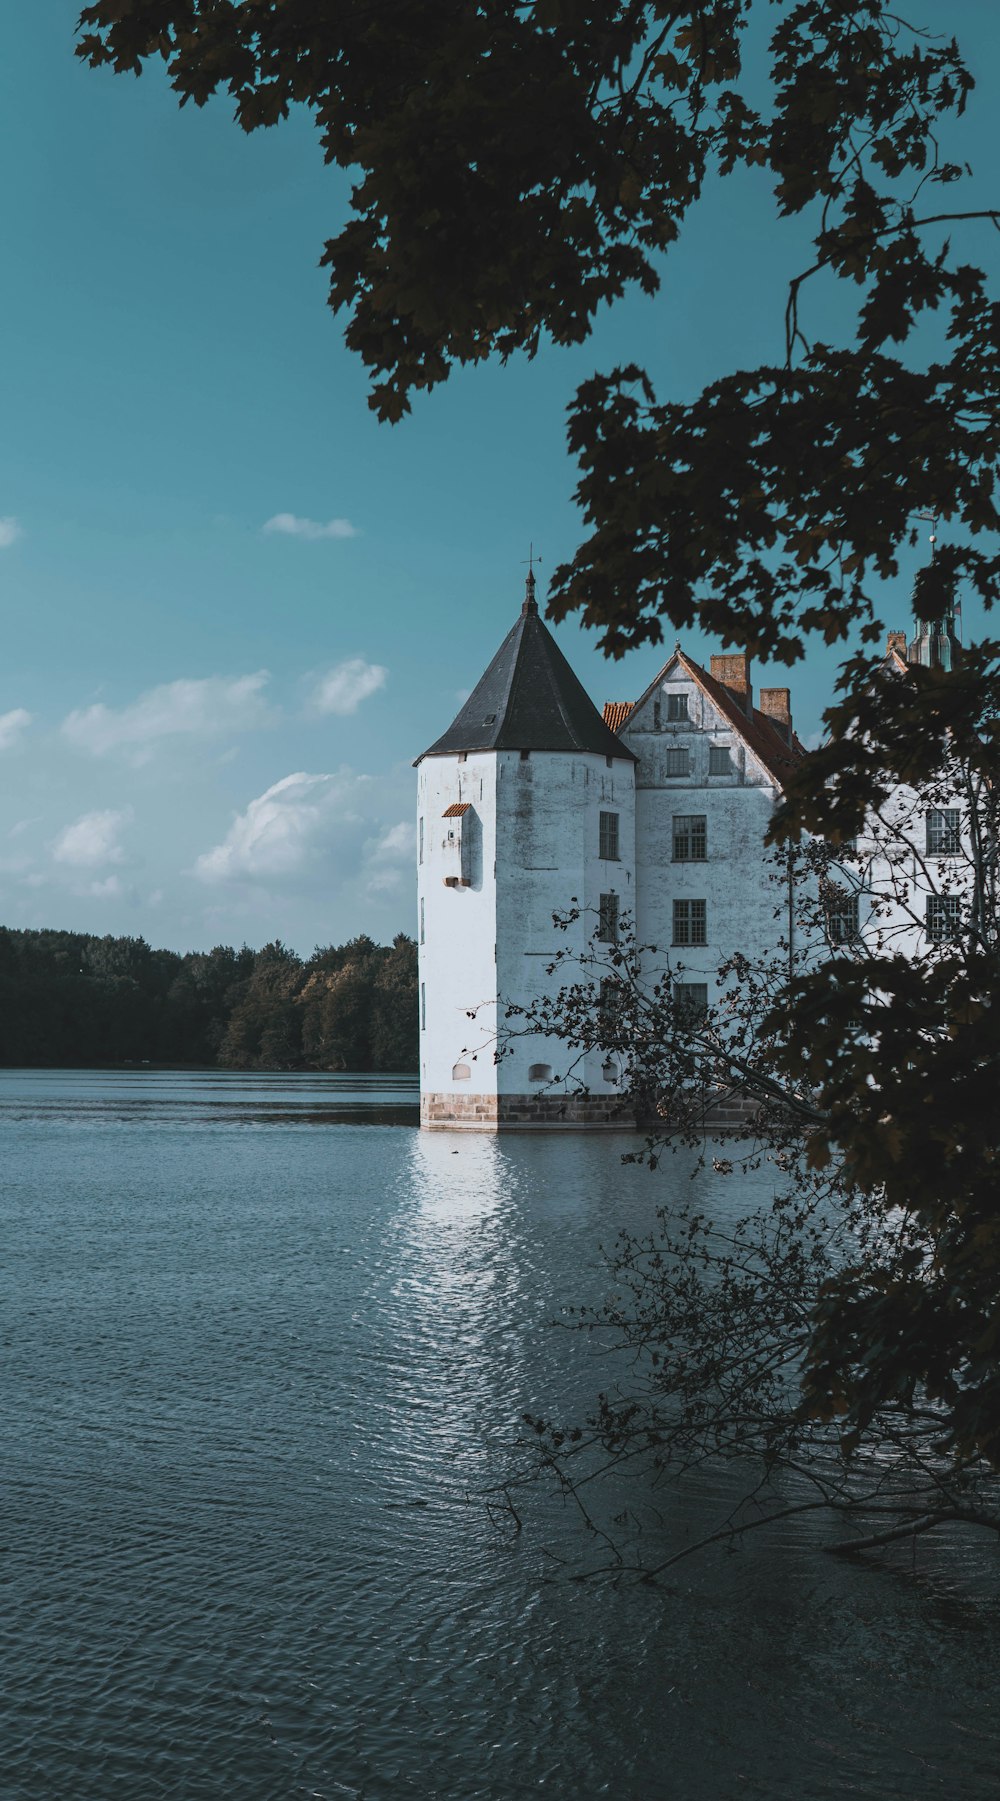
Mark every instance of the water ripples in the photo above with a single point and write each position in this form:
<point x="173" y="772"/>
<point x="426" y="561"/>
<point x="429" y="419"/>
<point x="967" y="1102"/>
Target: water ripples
<point x="254" y="1383"/>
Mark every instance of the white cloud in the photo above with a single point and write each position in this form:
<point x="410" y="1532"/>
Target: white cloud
<point x="10" y="531"/>
<point x="292" y="526"/>
<point x="104" y="890"/>
<point x="198" y="709"/>
<point x="12" y="725"/>
<point x="344" y="687"/>
<point x="285" y="830"/>
<point x="397" y="845"/>
<point x="92" y="840"/>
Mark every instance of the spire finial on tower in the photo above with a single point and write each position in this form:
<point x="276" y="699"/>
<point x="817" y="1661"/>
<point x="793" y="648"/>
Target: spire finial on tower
<point x="530" y="604"/>
<point x="937" y="644"/>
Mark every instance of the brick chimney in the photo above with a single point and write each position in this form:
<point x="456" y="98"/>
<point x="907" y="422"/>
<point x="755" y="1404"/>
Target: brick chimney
<point x="896" y="641"/>
<point x="777" y="704"/>
<point x="733" y="672"/>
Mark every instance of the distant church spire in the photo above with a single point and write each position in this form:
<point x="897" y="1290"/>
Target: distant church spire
<point x="937" y="644"/>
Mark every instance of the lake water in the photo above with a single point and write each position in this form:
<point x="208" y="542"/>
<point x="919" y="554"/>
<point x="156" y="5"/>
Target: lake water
<point x="264" y="1346"/>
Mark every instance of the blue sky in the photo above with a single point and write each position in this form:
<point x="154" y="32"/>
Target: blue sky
<point x="207" y="718"/>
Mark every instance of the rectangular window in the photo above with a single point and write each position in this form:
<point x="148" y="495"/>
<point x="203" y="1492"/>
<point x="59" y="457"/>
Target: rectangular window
<point x="944" y="917"/>
<point x="691" y="1001"/>
<point x="842" y="925"/>
<point x="677" y="706"/>
<point x="719" y="760"/>
<point x="611" y="1001"/>
<point x="421" y="919"/>
<point x="690" y="923"/>
<point x="678" y="762"/>
<point x="609" y="837"/>
<point x="423" y="1006"/>
<point x="690" y="837"/>
<point x="607" y="927"/>
<point x="420" y="841"/>
<point x="943" y="828"/>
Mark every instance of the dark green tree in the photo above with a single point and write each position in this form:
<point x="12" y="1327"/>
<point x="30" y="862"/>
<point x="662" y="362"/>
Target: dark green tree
<point x="516" y="165"/>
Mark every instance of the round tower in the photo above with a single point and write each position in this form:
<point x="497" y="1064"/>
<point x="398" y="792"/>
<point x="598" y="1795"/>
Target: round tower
<point x="526" y="806"/>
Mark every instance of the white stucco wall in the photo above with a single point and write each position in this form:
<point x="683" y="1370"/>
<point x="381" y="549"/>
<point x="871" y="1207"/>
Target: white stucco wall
<point x="733" y="880"/>
<point x="548" y="823"/>
<point x="456" y="926"/>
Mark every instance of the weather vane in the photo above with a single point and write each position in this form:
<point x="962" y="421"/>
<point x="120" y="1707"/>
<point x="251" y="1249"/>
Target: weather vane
<point x="531" y="558"/>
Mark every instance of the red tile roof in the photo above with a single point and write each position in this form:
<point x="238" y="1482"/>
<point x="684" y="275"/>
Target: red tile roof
<point x="616" y="712"/>
<point x="457" y="808"/>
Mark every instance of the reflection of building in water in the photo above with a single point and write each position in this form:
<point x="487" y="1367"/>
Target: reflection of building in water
<point x="531" y="803"/>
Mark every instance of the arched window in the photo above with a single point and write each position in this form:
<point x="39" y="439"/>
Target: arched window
<point x="540" y="1072"/>
<point x="461" y="1072"/>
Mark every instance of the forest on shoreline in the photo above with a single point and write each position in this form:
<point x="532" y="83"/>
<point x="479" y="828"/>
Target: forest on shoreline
<point x="68" y="999"/>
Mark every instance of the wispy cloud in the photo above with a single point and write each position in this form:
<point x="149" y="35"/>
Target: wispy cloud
<point x="209" y="708"/>
<point x="92" y="841"/>
<point x="292" y="525"/>
<point x="12" y="725"/>
<point x="287" y="829"/>
<point x="10" y="531"/>
<point x="343" y="688"/>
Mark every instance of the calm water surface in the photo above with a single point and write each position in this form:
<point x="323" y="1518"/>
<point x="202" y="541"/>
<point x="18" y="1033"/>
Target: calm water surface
<point x="263" y="1346"/>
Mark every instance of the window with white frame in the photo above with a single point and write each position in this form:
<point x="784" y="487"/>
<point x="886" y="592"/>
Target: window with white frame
<point x="842" y="923"/>
<point x="607" y="919"/>
<point x="944" y="917"/>
<point x="690" y="922"/>
<point x="691" y="1001"/>
<point x="609" y="837"/>
<point x="943" y="831"/>
<point x="678" y="763"/>
<point x="719" y="760"/>
<point x="690" y="837"/>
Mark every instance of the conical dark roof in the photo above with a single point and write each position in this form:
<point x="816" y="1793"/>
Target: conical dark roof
<point x="529" y="699"/>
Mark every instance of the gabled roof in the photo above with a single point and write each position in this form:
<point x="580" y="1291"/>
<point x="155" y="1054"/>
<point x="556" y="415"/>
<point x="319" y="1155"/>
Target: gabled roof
<point x="757" y="730"/>
<point x="529" y="699"/>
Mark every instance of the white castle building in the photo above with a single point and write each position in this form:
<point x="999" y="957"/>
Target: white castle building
<point x="531" y="802"/>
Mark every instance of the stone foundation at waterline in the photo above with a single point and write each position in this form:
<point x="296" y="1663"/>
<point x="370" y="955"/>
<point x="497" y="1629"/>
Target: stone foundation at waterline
<point x="523" y="1112"/>
<point x="729" y="1112"/>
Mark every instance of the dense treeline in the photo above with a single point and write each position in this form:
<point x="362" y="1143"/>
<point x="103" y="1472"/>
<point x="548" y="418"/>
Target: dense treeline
<point x="67" y="999"/>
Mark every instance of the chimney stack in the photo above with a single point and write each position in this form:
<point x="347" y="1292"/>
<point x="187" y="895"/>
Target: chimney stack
<point x="777" y="704"/>
<point x="733" y="672"/>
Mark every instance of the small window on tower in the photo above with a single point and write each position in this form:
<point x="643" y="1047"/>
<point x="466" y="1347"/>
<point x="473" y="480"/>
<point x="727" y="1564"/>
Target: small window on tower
<point x="677" y="706"/>
<point x="422" y="940"/>
<point x="719" y="760"/>
<point x="540" y="1072"/>
<point x="420" y="841"/>
<point x="609" y="837"/>
<point x="678" y="762"/>
<point x="461" y="1072"/>
<point x="423" y="1006"/>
